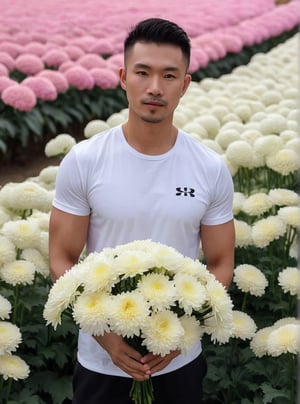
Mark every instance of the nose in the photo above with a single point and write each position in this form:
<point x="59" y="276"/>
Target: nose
<point x="154" y="87"/>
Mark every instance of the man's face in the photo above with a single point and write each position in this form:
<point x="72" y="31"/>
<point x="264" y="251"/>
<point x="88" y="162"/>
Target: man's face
<point x="154" y="79"/>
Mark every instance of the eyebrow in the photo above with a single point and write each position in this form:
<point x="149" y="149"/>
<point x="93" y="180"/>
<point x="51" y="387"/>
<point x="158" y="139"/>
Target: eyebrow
<point x="144" y="66"/>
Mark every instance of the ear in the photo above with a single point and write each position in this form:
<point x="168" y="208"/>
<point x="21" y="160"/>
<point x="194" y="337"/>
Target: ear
<point x="186" y="83"/>
<point x="122" y="76"/>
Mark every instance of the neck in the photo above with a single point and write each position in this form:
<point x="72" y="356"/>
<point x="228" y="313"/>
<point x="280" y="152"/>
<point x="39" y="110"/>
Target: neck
<point x="149" y="138"/>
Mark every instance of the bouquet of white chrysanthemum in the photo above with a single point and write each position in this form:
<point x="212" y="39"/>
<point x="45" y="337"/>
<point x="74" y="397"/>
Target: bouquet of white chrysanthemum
<point x="150" y="294"/>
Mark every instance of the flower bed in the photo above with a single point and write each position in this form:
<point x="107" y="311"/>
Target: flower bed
<point x="54" y="71"/>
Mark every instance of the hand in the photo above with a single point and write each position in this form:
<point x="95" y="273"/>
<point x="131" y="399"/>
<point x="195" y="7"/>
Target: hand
<point x="124" y="356"/>
<point x="157" y="362"/>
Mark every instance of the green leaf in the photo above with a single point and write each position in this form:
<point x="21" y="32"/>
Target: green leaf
<point x="270" y="394"/>
<point x="58" y="386"/>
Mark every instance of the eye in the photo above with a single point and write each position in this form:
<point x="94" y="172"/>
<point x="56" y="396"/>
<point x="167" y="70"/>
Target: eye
<point x="170" y="76"/>
<point x="141" y="73"/>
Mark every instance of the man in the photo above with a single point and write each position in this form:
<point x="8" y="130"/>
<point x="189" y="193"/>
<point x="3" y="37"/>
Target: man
<point x="143" y="180"/>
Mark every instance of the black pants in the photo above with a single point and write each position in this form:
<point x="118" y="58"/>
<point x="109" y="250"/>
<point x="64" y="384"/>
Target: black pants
<point x="181" y="386"/>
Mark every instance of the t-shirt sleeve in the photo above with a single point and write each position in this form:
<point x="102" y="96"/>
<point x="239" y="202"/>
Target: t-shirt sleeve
<point x="220" y="208"/>
<point x="70" y="193"/>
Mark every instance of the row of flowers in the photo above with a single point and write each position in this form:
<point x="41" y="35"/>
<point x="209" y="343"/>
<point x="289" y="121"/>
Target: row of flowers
<point x="42" y="68"/>
<point x="266" y="208"/>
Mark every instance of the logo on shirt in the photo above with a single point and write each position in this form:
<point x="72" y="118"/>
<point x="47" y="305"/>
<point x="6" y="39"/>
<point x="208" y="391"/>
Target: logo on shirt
<point x="185" y="191"/>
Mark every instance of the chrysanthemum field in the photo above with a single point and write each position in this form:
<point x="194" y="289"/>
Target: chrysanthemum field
<point x="58" y="67"/>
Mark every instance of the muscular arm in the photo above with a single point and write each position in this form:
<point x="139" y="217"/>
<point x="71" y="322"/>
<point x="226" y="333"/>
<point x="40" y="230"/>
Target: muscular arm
<point x="218" y="247"/>
<point x="67" y="237"/>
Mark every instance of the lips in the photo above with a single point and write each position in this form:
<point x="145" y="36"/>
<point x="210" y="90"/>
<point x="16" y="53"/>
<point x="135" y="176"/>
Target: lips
<point x="154" y="103"/>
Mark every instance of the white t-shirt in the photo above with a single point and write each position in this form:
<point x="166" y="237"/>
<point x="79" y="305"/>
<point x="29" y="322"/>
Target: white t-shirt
<point x="131" y="196"/>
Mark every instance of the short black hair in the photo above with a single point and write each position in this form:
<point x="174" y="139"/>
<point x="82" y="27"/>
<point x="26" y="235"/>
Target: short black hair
<point x="159" y="31"/>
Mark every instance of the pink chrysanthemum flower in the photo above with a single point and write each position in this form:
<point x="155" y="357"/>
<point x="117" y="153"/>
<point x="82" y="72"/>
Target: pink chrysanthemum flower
<point x="104" y="77"/>
<point x="102" y="47"/>
<point x="90" y="61"/>
<point x="29" y="64"/>
<point x="19" y="97"/>
<point x="84" y="42"/>
<point x="39" y="37"/>
<point x="115" y="62"/>
<point x="35" y="48"/>
<point x="57" y="78"/>
<point x="232" y="43"/>
<point x="22" y="38"/>
<point x="55" y="57"/>
<point x="66" y="66"/>
<point x="5" y="82"/>
<point x="7" y="60"/>
<point x="11" y="48"/>
<point x="80" y="78"/>
<point x="3" y="70"/>
<point x="73" y="51"/>
<point x="42" y="87"/>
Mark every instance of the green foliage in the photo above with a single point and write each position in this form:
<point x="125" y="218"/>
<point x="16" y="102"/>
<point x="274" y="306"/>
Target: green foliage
<point x="19" y="128"/>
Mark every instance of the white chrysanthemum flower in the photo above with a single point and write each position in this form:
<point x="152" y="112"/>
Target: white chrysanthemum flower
<point x="95" y="126"/>
<point x="250" y="279"/>
<point x="60" y="145"/>
<point x="128" y="313"/>
<point x="213" y="145"/>
<point x="48" y="175"/>
<point x="284" y="197"/>
<point x="238" y="200"/>
<point x="162" y="333"/>
<point x="23" y="233"/>
<point x="90" y="311"/>
<point x="284" y="162"/>
<point x="10" y="337"/>
<point x="97" y="272"/>
<point x="244" y="326"/>
<point x="265" y="231"/>
<point x="250" y="135"/>
<point x="219" y="331"/>
<point x="42" y="219"/>
<point x="257" y="204"/>
<point x="18" y="272"/>
<point x="210" y="123"/>
<point x="192" y="332"/>
<point x="196" y="269"/>
<point x="61" y="295"/>
<point x="219" y="300"/>
<point x="4" y="216"/>
<point x="289" y="280"/>
<point x="286" y="320"/>
<point x="232" y="167"/>
<point x="227" y="136"/>
<point x="285" y="339"/>
<point x="166" y="257"/>
<point x="258" y="344"/>
<point x="5" y="308"/>
<point x="267" y="145"/>
<point x="7" y="250"/>
<point x="243" y="233"/>
<point x="25" y="195"/>
<point x="273" y="124"/>
<point x="131" y="263"/>
<point x="43" y="244"/>
<point x="191" y="294"/>
<point x="240" y="153"/>
<point x="116" y="119"/>
<point x="290" y="215"/>
<point x="41" y="264"/>
<point x="12" y="366"/>
<point x="158" y="290"/>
